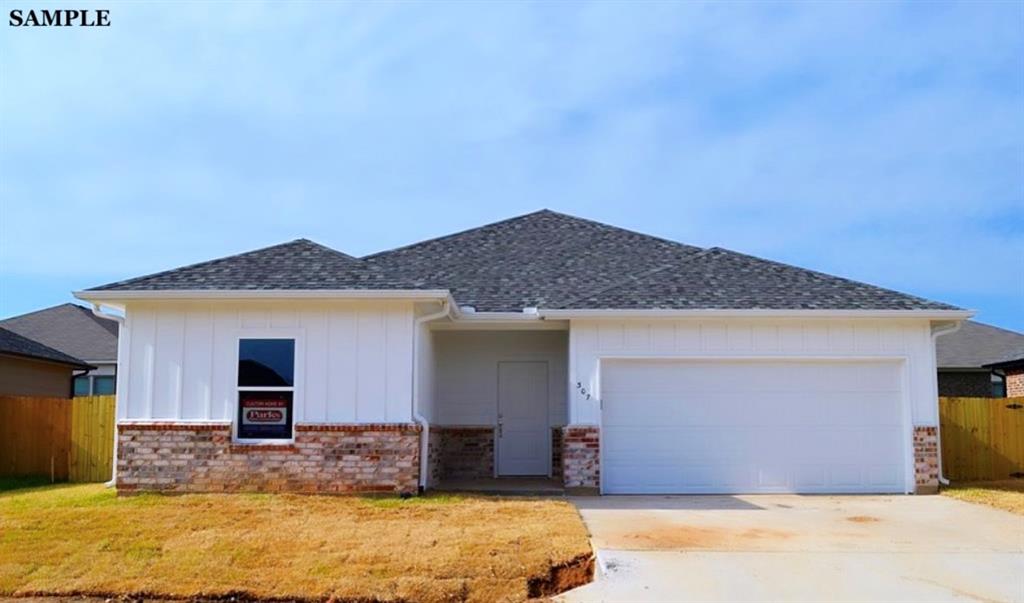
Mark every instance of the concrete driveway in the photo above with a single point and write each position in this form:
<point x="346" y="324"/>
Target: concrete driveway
<point x="801" y="548"/>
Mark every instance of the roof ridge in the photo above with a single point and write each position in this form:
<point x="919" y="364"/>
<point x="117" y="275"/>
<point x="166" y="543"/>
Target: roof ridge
<point x="633" y="278"/>
<point x="823" y="274"/>
<point x="629" y="230"/>
<point x="527" y="215"/>
<point x="454" y="234"/>
<point x="220" y="259"/>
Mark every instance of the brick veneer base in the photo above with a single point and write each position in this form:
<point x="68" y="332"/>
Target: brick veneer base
<point x="324" y="459"/>
<point x="926" y="460"/>
<point x="581" y="463"/>
<point x="463" y="452"/>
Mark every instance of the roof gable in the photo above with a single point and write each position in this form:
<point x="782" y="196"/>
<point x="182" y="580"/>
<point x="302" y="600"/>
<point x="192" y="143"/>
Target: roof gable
<point x="69" y="328"/>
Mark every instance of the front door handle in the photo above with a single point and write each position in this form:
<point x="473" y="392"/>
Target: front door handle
<point x="499" y="429"/>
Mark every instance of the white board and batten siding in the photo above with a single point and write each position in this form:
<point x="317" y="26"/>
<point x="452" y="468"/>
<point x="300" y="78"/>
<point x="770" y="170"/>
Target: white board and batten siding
<point x="353" y="359"/>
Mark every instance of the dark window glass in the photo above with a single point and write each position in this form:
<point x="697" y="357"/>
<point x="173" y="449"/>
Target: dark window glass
<point x="264" y="415"/>
<point x="266" y="362"/>
<point x="81" y="386"/>
<point x="103" y="386"/>
<point x="998" y="386"/>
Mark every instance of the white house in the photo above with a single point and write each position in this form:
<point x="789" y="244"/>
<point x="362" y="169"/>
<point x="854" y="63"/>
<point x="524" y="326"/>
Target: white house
<point x="543" y="345"/>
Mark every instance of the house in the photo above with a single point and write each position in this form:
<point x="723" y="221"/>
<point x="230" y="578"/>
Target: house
<point x="542" y="345"/>
<point x="965" y="357"/>
<point x="29" y="368"/>
<point x="1013" y="375"/>
<point x="75" y="331"/>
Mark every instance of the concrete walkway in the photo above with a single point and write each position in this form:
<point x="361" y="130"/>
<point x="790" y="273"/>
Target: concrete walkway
<point x="802" y="548"/>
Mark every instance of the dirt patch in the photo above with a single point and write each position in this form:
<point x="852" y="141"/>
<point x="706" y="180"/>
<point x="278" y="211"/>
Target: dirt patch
<point x="863" y="519"/>
<point x="693" y="537"/>
<point x="562" y="577"/>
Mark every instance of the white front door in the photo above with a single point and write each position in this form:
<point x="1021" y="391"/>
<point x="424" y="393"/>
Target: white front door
<point x="524" y="441"/>
<point x="721" y="426"/>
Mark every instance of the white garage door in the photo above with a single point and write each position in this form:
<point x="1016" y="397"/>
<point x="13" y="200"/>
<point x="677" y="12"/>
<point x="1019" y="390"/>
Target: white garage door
<point x="677" y="426"/>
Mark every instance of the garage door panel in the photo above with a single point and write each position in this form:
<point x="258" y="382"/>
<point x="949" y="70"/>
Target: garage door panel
<point x="752" y="427"/>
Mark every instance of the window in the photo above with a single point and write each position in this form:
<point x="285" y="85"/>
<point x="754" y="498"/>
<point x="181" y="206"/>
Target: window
<point x="82" y="385"/>
<point x="266" y="387"/>
<point x="998" y="385"/>
<point x="103" y="385"/>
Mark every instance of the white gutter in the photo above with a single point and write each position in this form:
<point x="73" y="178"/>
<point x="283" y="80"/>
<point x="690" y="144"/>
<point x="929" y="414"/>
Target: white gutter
<point x="936" y="333"/>
<point x="424" y="423"/>
<point x="710" y="313"/>
<point x="414" y="294"/>
<point x="120" y="326"/>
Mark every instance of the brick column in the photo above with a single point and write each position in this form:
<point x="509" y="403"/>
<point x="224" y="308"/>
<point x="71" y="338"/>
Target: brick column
<point x="1014" y="383"/>
<point x="581" y="460"/>
<point x="926" y="460"/>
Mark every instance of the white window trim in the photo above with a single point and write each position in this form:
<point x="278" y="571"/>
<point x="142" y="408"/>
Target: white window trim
<point x="297" y="374"/>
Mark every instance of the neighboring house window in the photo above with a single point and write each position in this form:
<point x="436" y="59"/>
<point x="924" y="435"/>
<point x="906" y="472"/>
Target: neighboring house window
<point x="266" y="387"/>
<point x="82" y="385"/>
<point x="103" y="385"/>
<point x="998" y="386"/>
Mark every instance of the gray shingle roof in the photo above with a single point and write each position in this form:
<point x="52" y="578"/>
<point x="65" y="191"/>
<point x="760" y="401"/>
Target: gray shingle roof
<point x="976" y="344"/>
<point x="71" y="329"/>
<point x="299" y="264"/>
<point x="721" y="279"/>
<point x="543" y="259"/>
<point x="13" y="344"/>
<point x="536" y="260"/>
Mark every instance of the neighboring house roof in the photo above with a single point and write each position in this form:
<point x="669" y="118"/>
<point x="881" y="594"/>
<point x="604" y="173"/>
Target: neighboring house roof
<point x="1008" y="364"/>
<point x="13" y="344"/>
<point x="976" y="345"/>
<point x="543" y="259"/>
<point x="71" y="329"/>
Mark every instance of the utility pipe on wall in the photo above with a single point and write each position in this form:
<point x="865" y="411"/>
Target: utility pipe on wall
<point x="419" y="418"/>
<point x="120" y="334"/>
<point x="938" y="417"/>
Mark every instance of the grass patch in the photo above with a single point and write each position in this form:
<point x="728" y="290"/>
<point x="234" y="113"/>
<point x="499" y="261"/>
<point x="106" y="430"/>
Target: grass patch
<point x="82" y="539"/>
<point x="1006" y="494"/>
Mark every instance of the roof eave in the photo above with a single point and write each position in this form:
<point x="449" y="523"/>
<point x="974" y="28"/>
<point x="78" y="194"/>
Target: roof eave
<point x="758" y="313"/>
<point x="121" y="296"/>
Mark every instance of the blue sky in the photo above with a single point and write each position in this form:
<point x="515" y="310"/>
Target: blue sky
<point x="880" y="141"/>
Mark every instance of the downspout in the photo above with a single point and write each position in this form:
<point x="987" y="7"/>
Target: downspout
<point x="938" y="418"/>
<point x="120" y="327"/>
<point x="423" y="422"/>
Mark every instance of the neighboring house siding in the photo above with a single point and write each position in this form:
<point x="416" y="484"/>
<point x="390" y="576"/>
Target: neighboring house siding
<point x="1015" y="382"/>
<point x="353" y="359"/>
<point x="593" y="339"/>
<point x="466" y="389"/>
<point x="965" y="384"/>
<point x="26" y="377"/>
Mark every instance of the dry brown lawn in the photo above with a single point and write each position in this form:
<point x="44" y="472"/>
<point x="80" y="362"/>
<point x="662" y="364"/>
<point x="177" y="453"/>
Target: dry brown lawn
<point x="1007" y="495"/>
<point x="83" y="539"/>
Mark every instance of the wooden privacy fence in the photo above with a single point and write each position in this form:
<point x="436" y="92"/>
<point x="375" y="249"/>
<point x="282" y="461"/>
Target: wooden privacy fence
<point x="60" y="438"/>
<point x="982" y="438"/>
